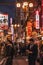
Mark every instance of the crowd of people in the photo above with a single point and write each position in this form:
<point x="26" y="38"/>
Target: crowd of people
<point x="33" y="49"/>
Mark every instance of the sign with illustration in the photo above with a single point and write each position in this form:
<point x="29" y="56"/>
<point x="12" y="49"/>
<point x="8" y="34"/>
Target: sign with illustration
<point x="3" y="21"/>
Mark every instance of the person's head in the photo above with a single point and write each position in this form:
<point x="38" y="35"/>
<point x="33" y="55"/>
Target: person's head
<point x="31" y="40"/>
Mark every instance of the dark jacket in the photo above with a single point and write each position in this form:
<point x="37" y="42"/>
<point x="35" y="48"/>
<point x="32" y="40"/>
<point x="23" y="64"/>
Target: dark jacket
<point x="9" y="50"/>
<point x="41" y="50"/>
<point x="34" y="50"/>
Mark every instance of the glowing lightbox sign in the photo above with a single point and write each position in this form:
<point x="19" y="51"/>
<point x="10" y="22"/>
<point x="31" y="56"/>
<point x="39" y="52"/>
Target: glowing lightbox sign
<point x="42" y="13"/>
<point x="11" y="21"/>
<point x="4" y="21"/>
<point x="37" y="19"/>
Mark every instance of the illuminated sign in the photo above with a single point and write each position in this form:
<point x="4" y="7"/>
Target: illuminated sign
<point x="3" y="21"/>
<point x="37" y="20"/>
<point x="29" y="28"/>
<point x="42" y="13"/>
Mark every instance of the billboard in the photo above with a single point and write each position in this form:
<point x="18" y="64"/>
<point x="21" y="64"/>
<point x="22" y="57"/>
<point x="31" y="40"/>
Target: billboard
<point x="3" y="21"/>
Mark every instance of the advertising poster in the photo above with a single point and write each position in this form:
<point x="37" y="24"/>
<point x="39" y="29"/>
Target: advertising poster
<point x="3" y="21"/>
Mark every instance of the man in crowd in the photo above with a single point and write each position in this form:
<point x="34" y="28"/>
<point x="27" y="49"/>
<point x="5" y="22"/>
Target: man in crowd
<point x="32" y="51"/>
<point x="41" y="54"/>
<point x="9" y="53"/>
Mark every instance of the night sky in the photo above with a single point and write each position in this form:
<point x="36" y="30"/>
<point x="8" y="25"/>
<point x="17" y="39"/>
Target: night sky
<point x="8" y="9"/>
<point x="7" y="0"/>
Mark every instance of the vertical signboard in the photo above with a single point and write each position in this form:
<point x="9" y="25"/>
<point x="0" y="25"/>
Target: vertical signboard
<point x="11" y="21"/>
<point x="37" y="20"/>
<point x="12" y="29"/>
<point x="42" y="13"/>
<point x="29" y="28"/>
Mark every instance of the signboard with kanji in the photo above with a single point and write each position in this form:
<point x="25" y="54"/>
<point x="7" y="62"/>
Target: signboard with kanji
<point x="37" y="20"/>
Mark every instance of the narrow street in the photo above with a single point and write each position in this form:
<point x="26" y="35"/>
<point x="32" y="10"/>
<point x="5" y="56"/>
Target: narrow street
<point x="20" y="61"/>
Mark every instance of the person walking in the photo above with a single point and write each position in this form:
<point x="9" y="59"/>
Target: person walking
<point x="9" y="53"/>
<point x="41" y="54"/>
<point x="32" y="51"/>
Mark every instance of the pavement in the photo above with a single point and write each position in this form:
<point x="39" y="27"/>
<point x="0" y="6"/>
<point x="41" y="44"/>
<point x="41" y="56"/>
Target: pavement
<point x="20" y="60"/>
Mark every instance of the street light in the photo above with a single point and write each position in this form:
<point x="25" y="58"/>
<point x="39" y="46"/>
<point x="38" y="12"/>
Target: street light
<point x="17" y="25"/>
<point x="16" y="28"/>
<point x="18" y="5"/>
<point x="30" y="4"/>
<point x="24" y="4"/>
<point x="24" y="8"/>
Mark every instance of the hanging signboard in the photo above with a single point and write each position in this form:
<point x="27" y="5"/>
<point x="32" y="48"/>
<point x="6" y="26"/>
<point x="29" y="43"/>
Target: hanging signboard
<point x="29" y="28"/>
<point x="42" y="13"/>
<point x="3" y="21"/>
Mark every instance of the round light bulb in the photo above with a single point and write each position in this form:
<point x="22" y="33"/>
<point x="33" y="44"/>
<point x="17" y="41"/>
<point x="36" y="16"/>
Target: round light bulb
<point x="18" y="5"/>
<point x="30" y="4"/>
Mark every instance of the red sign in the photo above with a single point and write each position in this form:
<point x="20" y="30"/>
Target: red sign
<point x="42" y="12"/>
<point x="29" y="28"/>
